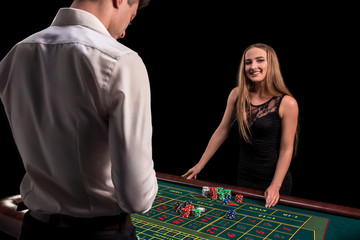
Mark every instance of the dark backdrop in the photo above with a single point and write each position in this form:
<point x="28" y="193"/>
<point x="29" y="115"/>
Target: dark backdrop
<point x="192" y="50"/>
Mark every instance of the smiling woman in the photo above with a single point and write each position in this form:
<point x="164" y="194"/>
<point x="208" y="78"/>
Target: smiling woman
<point x="267" y="119"/>
<point x="254" y="76"/>
<point x="256" y="65"/>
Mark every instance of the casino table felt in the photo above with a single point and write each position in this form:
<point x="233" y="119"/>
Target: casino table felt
<point x="293" y="218"/>
<point x="252" y="221"/>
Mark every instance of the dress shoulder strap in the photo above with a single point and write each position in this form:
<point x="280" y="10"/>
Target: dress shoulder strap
<point x="279" y="100"/>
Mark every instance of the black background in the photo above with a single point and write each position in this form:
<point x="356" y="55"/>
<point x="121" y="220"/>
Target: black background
<point x="192" y="50"/>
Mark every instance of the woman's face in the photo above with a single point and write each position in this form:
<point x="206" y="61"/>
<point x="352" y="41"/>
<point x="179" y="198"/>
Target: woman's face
<point x="256" y="64"/>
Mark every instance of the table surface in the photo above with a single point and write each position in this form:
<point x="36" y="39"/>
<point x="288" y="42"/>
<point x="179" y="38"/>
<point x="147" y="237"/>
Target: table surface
<point x="293" y="218"/>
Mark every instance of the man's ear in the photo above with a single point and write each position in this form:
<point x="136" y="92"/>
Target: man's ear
<point x="116" y="3"/>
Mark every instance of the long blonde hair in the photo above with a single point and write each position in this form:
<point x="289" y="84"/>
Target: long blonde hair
<point x="274" y="84"/>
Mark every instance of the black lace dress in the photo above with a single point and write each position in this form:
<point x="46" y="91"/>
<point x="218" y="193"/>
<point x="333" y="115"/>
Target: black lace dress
<point x="258" y="159"/>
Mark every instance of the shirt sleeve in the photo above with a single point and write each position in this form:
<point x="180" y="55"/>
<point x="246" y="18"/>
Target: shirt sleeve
<point x="130" y="135"/>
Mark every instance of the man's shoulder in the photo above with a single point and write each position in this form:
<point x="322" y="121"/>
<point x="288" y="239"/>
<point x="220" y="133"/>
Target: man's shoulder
<point x="77" y="35"/>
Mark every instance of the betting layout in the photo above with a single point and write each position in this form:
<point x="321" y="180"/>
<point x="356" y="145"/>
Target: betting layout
<point x="251" y="221"/>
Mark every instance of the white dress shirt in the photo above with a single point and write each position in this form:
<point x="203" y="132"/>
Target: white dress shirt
<point x="78" y="103"/>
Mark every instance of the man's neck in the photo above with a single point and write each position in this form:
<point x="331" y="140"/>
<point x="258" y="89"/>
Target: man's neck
<point x="100" y="9"/>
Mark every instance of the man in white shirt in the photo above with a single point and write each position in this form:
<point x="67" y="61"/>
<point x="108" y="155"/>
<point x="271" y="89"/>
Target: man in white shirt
<point x="78" y="103"/>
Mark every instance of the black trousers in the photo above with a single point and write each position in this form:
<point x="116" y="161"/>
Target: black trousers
<point x="33" y="229"/>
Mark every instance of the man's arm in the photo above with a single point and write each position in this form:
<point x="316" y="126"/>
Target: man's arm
<point x="130" y="135"/>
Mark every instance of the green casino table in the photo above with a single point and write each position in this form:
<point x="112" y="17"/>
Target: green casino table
<point x="293" y="218"/>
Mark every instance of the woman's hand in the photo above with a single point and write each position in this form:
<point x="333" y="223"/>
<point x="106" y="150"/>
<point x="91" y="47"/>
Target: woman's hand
<point x="272" y="196"/>
<point x="193" y="172"/>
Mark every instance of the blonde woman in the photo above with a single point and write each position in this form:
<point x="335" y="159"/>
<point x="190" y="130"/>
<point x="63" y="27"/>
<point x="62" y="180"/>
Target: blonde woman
<point x="267" y="117"/>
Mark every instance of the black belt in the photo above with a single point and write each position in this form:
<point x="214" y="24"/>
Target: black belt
<point x="103" y="222"/>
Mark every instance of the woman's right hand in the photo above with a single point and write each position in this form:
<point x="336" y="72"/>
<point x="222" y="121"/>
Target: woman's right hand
<point x="193" y="172"/>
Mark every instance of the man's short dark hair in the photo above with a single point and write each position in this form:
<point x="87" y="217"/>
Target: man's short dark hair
<point x="142" y="3"/>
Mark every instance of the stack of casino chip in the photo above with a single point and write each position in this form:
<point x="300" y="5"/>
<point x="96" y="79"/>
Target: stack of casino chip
<point x="225" y="201"/>
<point x="227" y="193"/>
<point x="185" y="212"/>
<point x="206" y="191"/>
<point x="178" y="206"/>
<point x="197" y="212"/>
<point x="221" y="196"/>
<point x="186" y="209"/>
<point x="230" y="214"/>
<point x="239" y="198"/>
<point x="213" y="193"/>
<point x="191" y="207"/>
<point x="201" y="209"/>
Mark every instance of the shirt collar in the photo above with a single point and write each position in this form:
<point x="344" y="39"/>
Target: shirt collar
<point x="73" y="16"/>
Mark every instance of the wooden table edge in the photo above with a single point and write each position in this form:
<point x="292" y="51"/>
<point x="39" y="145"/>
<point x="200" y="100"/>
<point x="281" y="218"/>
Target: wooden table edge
<point x="251" y="193"/>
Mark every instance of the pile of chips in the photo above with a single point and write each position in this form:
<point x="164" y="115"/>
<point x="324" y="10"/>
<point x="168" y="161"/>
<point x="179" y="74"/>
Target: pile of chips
<point x="227" y="193"/>
<point x="215" y="193"/>
<point x="197" y="212"/>
<point x="179" y="206"/>
<point x="186" y="209"/>
<point x="239" y="198"/>
<point x="224" y="195"/>
<point x="230" y="214"/>
<point x="206" y="192"/>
